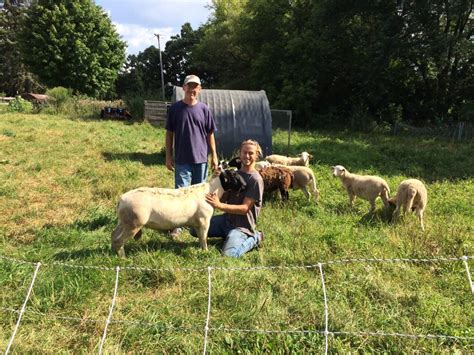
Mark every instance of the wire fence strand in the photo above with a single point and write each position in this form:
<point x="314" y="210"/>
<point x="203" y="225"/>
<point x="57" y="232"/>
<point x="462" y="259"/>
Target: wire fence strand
<point x="469" y="278"/>
<point x="246" y="268"/>
<point x="23" y="308"/>
<point x="112" y="305"/>
<point x="326" y="332"/>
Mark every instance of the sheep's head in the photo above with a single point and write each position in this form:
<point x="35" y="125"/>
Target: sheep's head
<point x="232" y="180"/>
<point x="235" y="163"/>
<point x="223" y="164"/>
<point x="338" y="170"/>
<point x="262" y="164"/>
<point x="306" y="156"/>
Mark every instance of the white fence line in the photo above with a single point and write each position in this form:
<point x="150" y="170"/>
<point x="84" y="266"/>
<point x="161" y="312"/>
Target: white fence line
<point x="326" y="310"/>
<point x="23" y="308"/>
<point x="209" y="269"/>
<point x="464" y="259"/>
<point x="206" y="327"/>
<point x="112" y="305"/>
<point x="247" y="268"/>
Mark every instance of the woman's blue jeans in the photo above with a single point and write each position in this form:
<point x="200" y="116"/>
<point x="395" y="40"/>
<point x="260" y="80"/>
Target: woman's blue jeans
<point x="236" y="242"/>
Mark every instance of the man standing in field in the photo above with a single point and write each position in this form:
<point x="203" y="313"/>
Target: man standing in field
<point x="190" y="126"/>
<point x="241" y="209"/>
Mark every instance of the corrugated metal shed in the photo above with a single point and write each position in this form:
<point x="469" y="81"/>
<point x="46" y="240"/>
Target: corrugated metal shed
<point x="239" y="115"/>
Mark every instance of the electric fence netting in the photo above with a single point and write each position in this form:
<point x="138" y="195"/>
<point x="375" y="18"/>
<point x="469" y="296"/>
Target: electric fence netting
<point x="323" y="302"/>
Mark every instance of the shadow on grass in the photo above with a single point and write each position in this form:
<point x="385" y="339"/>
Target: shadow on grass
<point x="177" y="247"/>
<point x="81" y="254"/>
<point x="383" y="215"/>
<point x="147" y="159"/>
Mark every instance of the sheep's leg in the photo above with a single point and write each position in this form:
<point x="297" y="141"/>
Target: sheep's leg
<point x="385" y="197"/>
<point x="410" y="199"/>
<point x="314" y="190"/>
<point x="284" y="194"/>
<point x="372" y="206"/>
<point x="119" y="236"/>
<point x="352" y="198"/>
<point x="316" y="195"/>
<point x="306" y="192"/>
<point x="202" y="231"/>
<point x="396" y="213"/>
<point x="419" y="213"/>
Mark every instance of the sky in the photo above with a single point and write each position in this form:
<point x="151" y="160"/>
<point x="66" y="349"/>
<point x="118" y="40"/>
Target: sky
<point x="138" y="20"/>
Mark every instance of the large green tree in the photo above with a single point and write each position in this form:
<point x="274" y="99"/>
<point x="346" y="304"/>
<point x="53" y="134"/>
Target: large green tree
<point x="179" y="57"/>
<point x="219" y="53"/>
<point x="72" y="44"/>
<point x="14" y="77"/>
<point x="344" y="61"/>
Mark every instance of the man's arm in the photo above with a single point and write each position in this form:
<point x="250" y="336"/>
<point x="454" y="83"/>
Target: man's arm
<point x="242" y="209"/>
<point x="212" y="145"/>
<point x="169" y="150"/>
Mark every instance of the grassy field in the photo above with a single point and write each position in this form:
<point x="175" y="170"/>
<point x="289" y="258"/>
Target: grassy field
<point x="60" y="179"/>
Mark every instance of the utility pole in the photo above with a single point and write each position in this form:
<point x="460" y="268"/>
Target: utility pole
<point x="161" y="68"/>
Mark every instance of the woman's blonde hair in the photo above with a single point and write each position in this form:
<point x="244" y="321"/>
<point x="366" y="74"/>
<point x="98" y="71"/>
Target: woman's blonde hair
<point x="254" y="143"/>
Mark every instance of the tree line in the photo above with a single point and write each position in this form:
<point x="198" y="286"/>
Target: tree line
<point x="351" y="63"/>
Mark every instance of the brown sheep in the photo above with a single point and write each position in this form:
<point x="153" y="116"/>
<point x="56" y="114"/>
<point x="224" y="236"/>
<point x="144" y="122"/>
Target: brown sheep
<point x="277" y="178"/>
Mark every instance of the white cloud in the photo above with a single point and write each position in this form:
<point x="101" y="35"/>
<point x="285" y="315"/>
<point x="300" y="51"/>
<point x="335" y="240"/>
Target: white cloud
<point x="139" y="38"/>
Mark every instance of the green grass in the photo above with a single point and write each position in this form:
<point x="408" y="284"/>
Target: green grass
<point x="60" y="179"/>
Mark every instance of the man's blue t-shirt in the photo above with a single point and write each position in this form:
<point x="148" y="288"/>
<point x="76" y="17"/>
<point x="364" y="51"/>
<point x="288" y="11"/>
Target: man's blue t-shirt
<point x="191" y="125"/>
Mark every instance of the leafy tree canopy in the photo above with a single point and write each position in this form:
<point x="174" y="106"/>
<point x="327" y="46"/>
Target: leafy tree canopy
<point x="14" y="77"/>
<point x="72" y="44"/>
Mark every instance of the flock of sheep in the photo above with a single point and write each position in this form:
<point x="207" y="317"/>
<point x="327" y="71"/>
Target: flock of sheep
<point x="166" y="209"/>
<point x="280" y="172"/>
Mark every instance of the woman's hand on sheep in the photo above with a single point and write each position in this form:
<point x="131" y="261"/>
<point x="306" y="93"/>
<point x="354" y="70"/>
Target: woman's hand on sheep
<point x="213" y="199"/>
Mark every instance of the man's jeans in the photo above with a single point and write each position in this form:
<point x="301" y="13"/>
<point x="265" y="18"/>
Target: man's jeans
<point x="189" y="174"/>
<point x="236" y="242"/>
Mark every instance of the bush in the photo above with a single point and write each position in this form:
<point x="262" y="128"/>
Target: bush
<point x="136" y="106"/>
<point x="60" y="96"/>
<point x="20" y="105"/>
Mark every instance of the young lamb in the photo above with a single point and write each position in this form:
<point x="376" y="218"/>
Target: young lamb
<point x="367" y="187"/>
<point x="274" y="177"/>
<point x="302" y="160"/>
<point x="277" y="178"/>
<point x="303" y="178"/>
<point x="165" y="209"/>
<point x="412" y="196"/>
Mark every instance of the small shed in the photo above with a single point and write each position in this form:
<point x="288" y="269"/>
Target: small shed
<point x="35" y="98"/>
<point x="239" y="115"/>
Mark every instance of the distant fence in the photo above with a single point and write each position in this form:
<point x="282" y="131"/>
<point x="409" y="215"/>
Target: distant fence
<point x="156" y="111"/>
<point x="459" y="131"/>
<point x="6" y="100"/>
<point x="282" y="119"/>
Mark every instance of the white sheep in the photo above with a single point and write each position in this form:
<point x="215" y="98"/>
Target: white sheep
<point x="262" y="164"/>
<point x="164" y="209"/>
<point x="367" y="187"/>
<point x="303" y="179"/>
<point x="302" y="160"/>
<point x="411" y="195"/>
